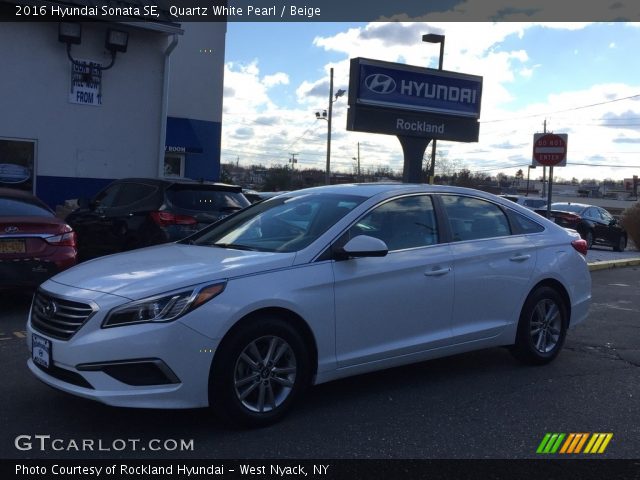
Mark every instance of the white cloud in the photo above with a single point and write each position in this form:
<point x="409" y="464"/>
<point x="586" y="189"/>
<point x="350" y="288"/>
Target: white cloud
<point x="276" y="79"/>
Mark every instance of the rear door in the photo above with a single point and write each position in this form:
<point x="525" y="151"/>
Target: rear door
<point x="492" y="267"/>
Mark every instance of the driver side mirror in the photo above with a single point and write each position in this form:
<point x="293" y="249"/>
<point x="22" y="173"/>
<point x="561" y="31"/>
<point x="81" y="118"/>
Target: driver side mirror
<point x="363" y="246"/>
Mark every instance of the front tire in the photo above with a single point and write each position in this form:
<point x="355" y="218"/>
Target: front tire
<point x="259" y="372"/>
<point x="542" y="327"/>
<point x="622" y="244"/>
<point x="588" y="236"/>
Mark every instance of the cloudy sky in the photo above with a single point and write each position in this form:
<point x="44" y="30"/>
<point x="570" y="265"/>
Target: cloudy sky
<point x="583" y="78"/>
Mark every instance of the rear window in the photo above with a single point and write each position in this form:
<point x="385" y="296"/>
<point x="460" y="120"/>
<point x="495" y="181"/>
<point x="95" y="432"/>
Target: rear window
<point x="16" y="208"/>
<point x="206" y="200"/>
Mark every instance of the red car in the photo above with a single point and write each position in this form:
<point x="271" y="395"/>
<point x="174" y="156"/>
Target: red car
<point x="34" y="243"/>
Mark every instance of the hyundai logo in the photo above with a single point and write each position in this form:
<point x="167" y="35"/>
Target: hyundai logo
<point x="49" y="309"/>
<point x="11" y="229"/>
<point x="380" y="83"/>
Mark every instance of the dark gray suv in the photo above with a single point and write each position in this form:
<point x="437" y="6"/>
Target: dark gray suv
<point x="138" y="212"/>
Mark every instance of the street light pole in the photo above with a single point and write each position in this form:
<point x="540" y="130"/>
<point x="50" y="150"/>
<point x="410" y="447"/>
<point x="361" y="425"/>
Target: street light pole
<point x="434" y="38"/>
<point x="327" y="175"/>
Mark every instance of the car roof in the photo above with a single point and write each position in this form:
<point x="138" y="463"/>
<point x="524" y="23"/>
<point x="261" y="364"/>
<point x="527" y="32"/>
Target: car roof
<point x="178" y="181"/>
<point x="369" y="190"/>
<point x="23" y="195"/>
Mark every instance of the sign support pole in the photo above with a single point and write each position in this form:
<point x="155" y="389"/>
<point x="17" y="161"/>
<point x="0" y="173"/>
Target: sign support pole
<point x="413" y="148"/>
<point x="549" y="192"/>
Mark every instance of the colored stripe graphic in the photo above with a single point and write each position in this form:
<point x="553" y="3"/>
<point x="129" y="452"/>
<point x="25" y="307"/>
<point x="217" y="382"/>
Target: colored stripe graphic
<point x="550" y="443"/>
<point x="598" y="442"/>
<point x="574" y="443"/>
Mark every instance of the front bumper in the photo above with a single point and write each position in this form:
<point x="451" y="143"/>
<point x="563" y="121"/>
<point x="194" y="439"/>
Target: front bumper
<point x="186" y="354"/>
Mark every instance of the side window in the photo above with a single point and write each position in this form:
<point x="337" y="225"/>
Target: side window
<point x="133" y="192"/>
<point x="407" y="222"/>
<point x="107" y="197"/>
<point x="472" y="218"/>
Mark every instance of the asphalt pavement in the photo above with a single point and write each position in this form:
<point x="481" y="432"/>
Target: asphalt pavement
<point x="478" y="405"/>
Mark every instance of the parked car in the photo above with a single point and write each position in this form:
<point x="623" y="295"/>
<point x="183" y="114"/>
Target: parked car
<point x="529" y="202"/>
<point x="34" y="244"/>
<point x="309" y="287"/>
<point x="138" y="212"/>
<point x="594" y="224"/>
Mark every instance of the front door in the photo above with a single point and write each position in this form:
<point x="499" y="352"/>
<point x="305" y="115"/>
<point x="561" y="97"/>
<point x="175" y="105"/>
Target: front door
<point x="399" y="304"/>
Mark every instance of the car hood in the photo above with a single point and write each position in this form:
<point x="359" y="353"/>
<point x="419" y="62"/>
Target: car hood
<point x="140" y="273"/>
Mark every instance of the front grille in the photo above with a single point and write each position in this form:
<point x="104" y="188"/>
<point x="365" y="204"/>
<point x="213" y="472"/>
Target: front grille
<point x="57" y="317"/>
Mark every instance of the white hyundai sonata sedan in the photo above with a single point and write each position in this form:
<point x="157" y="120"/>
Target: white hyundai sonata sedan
<point x="305" y="288"/>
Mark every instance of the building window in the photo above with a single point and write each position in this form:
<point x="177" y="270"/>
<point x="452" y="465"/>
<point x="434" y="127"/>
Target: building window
<point x="173" y="165"/>
<point x="17" y="163"/>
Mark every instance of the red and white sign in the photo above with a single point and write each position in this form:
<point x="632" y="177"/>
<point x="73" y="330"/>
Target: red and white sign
<point x="550" y="149"/>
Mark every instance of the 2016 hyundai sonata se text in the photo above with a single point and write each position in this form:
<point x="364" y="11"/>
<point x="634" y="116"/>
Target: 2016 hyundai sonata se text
<point x="308" y="287"/>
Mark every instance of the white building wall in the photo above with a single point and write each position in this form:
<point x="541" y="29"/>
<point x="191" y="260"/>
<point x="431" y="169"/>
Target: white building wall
<point x="117" y="139"/>
<point x="197" y="75"/>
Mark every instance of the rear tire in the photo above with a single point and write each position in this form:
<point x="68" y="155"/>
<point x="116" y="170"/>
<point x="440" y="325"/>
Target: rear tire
<point x="259" y="372"/>
<point x="542" y="327"/>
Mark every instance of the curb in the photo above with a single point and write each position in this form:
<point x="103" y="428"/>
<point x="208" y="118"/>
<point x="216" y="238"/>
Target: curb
<point x="608" y="264"/>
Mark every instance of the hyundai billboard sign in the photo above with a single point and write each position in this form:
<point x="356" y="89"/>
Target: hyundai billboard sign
<point x="405" y="87"/>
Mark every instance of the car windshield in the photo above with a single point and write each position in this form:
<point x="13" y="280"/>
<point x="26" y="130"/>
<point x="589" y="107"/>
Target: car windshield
<point x="568" y="207"/>
<point x="284" y="224"/>
<point x="16" y="208"/>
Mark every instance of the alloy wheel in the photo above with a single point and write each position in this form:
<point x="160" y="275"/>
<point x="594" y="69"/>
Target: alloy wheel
<point x="545" y="325"/>
<point x="265" y="374"/>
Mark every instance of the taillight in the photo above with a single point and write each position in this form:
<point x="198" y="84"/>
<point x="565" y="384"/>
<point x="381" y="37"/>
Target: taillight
<point x="167" y="218"/>
<point x="580" y="245"/>
<point x="64" y="240"/>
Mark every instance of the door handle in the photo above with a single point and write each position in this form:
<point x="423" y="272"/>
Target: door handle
<point x="520" y="258"/>
<point x="436" y="272"/>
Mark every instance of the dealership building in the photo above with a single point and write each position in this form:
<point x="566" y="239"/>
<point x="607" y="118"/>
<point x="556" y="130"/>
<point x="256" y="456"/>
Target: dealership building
<point x="84" y="103"/>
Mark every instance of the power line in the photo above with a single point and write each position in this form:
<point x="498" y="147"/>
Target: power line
<point x="562" y="111"/>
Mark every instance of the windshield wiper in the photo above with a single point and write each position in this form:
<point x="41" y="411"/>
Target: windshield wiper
<point x="234" y="246"/>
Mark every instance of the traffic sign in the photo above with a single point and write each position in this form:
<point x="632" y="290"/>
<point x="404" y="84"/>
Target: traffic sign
<point x="550" y="149"/>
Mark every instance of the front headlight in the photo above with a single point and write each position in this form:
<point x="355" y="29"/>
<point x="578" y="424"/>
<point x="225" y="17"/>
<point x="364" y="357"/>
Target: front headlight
<point x="162" y="308"/>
